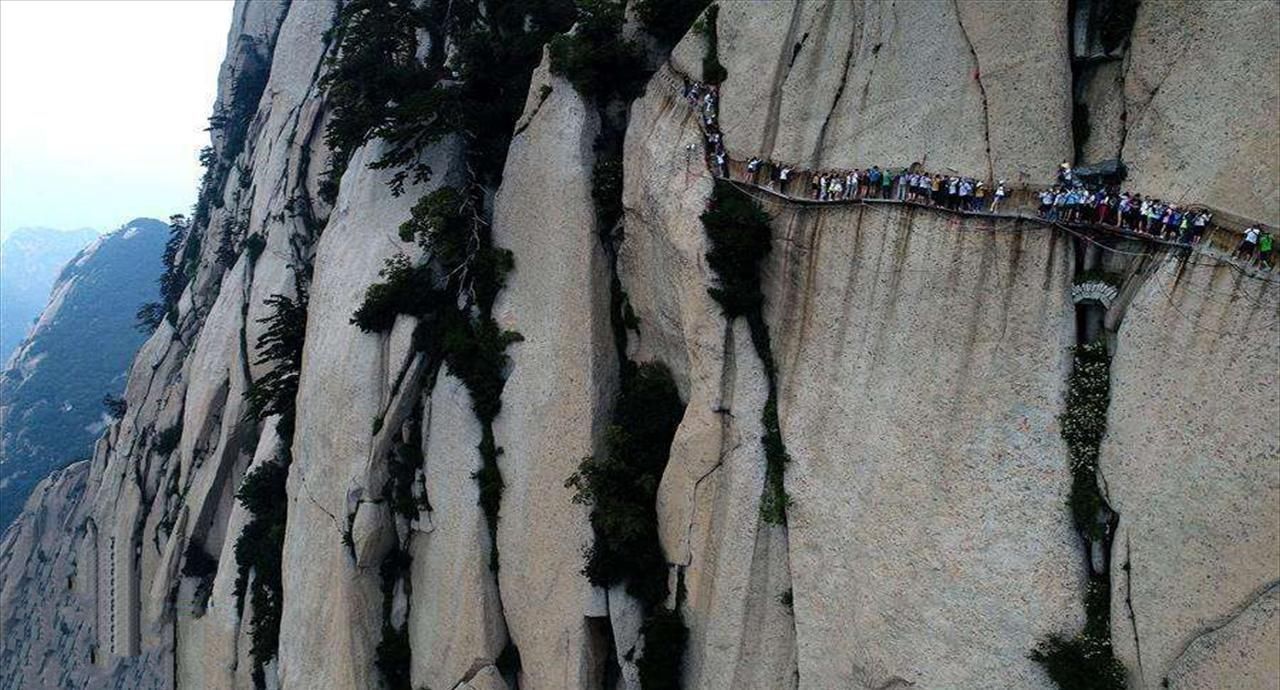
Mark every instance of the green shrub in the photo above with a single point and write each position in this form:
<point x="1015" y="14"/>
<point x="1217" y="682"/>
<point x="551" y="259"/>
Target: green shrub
<point x="281" y="345"/>
<point x="258" y="551"/>
<point x="172" y="282"/>
<point x="1082" y="426"/>
<point x="115" y="407"/>
<point x="198" y="564"/>
<point x="606" y="190"/>
<point x="621" y="487"/>
<point x="1086" y="661"/>
<point x="393" y="654"/>
<point x="405" y="289"/>
<point x="595" y="58"/>
<point x="254" y="245"/>
<point x="476" y="353"/>
<point x="150" y="315"/>
<point x="740" y="238"/>
<point x="665" y="636"/>
<point x="775" y="501"/>
<point x="167" y="441"/>
<point x="668" y="20"/>
<point x="374" y="66"/>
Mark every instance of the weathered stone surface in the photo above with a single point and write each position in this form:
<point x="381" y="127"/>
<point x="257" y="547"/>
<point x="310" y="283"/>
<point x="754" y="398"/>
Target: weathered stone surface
<point x="557" y="399"/>
<point x="820" y="84"/>
<point x="922" y="363"/>
<point x="455" y="612"/>
<point x="1202" y="101"/>
<point x="324" y="592"/>
<point x="921" y="358"/>
<point x="1192" y="464"/>
<point x="741" y="633"/>
<point x="733" y="567"/>
<point x="487" y="678"/>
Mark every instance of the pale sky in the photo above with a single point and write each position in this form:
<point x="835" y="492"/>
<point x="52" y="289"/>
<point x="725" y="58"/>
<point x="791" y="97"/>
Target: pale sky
<point x="103" y="106"/>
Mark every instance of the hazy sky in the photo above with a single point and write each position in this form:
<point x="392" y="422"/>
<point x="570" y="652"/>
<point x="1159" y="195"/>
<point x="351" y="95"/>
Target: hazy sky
<point x="102" y="108"/>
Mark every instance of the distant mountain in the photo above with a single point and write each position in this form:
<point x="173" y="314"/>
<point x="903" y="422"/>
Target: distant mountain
<point x="30" y="259"/>
<point x="52" y="387"/>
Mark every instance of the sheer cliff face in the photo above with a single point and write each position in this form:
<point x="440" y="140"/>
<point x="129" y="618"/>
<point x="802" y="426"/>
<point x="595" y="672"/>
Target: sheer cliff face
<point x="921" y="362"/>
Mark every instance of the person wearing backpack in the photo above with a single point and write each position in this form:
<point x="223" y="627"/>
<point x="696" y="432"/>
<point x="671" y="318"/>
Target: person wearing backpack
<point x="1265" y="246"/>
<point x="1248" y="243"/>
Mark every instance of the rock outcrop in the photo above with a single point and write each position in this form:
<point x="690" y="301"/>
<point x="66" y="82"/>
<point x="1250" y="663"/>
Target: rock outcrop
<point x="919" y="361"/>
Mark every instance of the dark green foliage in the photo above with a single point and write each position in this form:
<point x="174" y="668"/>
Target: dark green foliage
<point x="114" y="406"/>
<point x="621" y="487"/>
<point x="498" y="47"/>
<point x="668" y="20"/>
<point x="373" y="69"/>
<point x="1082" y="425"/>
<point x="775" y="501"/>
<point x="1075" y="664"/>
<point x="254" y="245"/>
<point x="440" y="224"/>
<point x="475" y="350"/>
<point x="232" y="121"/>
<point x="405" y="289"/>
<point x="712" y="71"/>
<point x="665" y="635"/>
<point x="606" y="189"/>
<point x="149" y="316"/>
<point x="595" y="58"/>
<point x="167" y="441"/>
<point x="476" y="353"/>
<point x="740" y="238"/>
<point x="281" y="345"/>
<point x="1087" y="661"/>
<point x="172" y="282"/>
<point x="378" y="88"/>
<point x="198" y="564"/>
<point x="393" y="652"/>
<point x="263" y="491"/>
<point x="258" y="551"/>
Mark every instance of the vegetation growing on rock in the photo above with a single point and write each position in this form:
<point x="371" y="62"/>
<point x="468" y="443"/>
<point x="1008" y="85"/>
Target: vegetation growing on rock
<point x="172" y="282"/>
<point x="1087" y="660"/>
<point x="740" y="238"/>
<point x="621" y="486"/>
<point x="596" y="58"/>
<point x="263" y="494"/>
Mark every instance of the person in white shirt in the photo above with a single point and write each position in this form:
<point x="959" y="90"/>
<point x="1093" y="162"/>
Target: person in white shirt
<point x="1248" y="244"/>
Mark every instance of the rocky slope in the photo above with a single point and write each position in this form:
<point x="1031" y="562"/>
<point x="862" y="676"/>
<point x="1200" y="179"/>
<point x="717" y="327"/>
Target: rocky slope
<point x="30" y="260"/>
<point x="78" y="351"/>
<point x="917" y="368"/>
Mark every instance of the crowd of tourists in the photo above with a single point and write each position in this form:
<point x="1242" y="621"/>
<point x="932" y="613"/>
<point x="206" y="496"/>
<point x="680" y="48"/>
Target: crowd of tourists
<point x="1074" y="199"/>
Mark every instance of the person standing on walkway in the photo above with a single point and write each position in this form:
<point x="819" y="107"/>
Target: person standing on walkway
<point x="1265" y="246"/>
<point x="1000" y="194"/>
<point x="1248" y="244"/>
